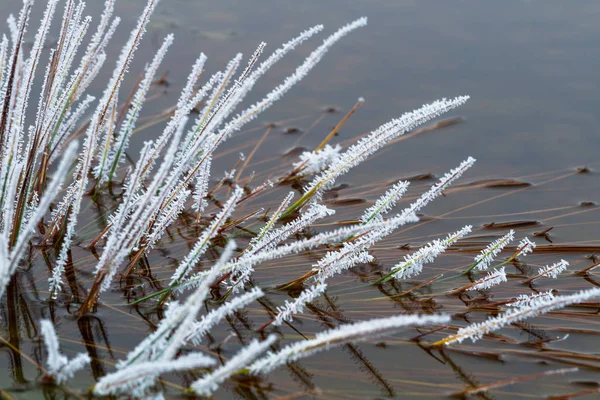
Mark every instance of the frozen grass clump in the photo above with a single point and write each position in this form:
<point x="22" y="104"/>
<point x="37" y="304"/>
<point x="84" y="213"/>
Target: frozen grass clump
<point x="56" y="147"/>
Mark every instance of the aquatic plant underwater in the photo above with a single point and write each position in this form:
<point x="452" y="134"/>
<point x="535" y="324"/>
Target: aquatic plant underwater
<point x="43" y="193"/>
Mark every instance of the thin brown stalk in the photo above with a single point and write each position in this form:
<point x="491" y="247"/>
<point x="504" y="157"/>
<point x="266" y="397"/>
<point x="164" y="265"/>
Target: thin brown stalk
<point x="339" y="125"/>
<point x="419" y="286"/>
<point x="249" y="156"/>
<point x="506" y="382"/>
<point x="586" y="270"/>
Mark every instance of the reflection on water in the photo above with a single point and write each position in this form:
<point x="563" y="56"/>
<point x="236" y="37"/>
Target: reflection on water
<point x="531" y="68"/>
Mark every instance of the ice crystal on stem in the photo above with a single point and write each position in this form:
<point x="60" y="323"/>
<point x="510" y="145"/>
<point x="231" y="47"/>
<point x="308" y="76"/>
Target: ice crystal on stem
<point x="262" y="239"/>
<point x="116" y="152"/>
<point x="210" y="383"/>
<point x="127" y="381"/>
<point x="533" y="308"/>
<point x="313" y="162"/>
<point x="200" y="328"/>
<point x="201" y="245"/>
<point x="434" y="191"/>
<point x="524" y="300"/>
<point x="554" y="270"/>
<point x="112" y="90"/>
<point x="493" y="278"/>
<point x="525" y="247"/>
<point x="60" y="367"/>
<point x="297" y="305"/>
<point x="487" y="255"/>
<point x="368" y="145"/>
<point x="268" y="240"/>
<point x="413" y="263"/>
<point x="385" y="203"/>
<point x="345" y="333"/>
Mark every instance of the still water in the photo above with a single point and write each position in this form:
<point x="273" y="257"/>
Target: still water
<point x="532" y="71"/>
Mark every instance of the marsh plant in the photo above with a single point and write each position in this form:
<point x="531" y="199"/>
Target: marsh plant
<point x="68" y="147"/>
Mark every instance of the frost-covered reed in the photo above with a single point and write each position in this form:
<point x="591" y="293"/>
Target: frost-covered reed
<point x="525" y="247"/>
<point x="487" y="255"/>
<point x="493" y="278"/>
<point x="352" y="332"/>
<point x="385" y="203"/>
<point x="413" y="263"/>
<point x="210" y="383"/>
<point x="368" y="145"/>
<point x="552" y="271"/>
<point x="524" y="300"/>
<point x="60" y="368"/>
<point x="533" y="307"/>
<point x="171" y="177"/>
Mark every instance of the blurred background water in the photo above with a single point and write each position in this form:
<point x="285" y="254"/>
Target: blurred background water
<point x="531" y="68"/>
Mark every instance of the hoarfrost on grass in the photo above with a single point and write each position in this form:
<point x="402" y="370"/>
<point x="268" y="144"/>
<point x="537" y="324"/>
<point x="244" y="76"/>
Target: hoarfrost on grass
<point x="157" y="190"/>
<point x="59" y="366"/>
<point x="554" y="270"/>
<point x="524" y="300"/>
<point x="493" y="278"/>
<point x="488" y="255"/>
<point x="345" y="333"/>
<point x="532" y="308"/>
<point x="413" y="263"/>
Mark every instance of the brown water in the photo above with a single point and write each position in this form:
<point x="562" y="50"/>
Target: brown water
<point x="531" y="68"/>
